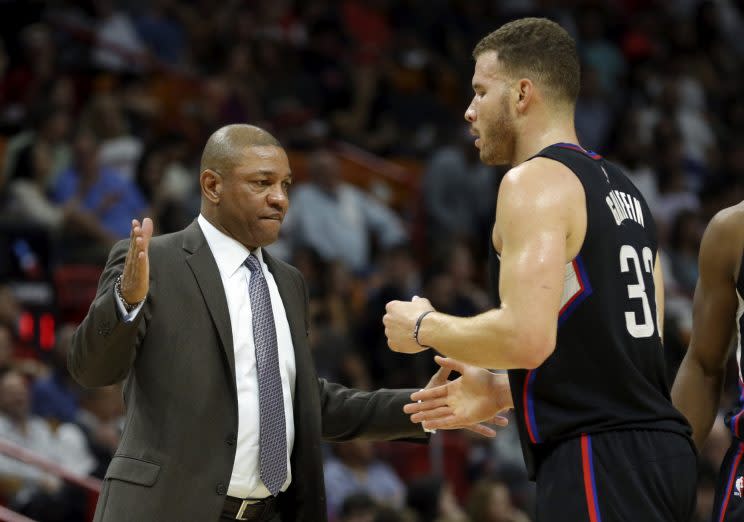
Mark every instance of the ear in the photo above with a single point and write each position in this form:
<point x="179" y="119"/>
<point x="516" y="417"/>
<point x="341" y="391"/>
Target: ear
<point x="525" y="94"/>
<point x="211" y="185"/>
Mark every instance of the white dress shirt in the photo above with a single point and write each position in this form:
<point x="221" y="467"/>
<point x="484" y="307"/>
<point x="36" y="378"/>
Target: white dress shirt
<point x="230" y="255"/>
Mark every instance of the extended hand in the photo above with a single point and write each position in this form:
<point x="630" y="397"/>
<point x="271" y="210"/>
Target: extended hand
<point x="400" y="320"/>
<point x="475" y="397"/>
<point x="135" y="280"/>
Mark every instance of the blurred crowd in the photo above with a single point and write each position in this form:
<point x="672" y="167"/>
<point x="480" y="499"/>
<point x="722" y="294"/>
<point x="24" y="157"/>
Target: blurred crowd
<point x="105" y="107"/>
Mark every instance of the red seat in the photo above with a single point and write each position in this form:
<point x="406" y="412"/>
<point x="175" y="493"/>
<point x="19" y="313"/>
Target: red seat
<point x="75" y="287"/>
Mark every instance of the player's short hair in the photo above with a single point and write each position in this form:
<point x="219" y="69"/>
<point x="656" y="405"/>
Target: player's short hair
<point x="538" y="49"/>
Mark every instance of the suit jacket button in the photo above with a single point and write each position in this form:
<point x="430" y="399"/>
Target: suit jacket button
<point x="221" y="489"/>
<point x="231" y="439"/>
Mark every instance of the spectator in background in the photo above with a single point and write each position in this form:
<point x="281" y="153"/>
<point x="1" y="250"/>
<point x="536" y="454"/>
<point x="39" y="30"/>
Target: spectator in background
<point x="337" y="219"/>
<point x="353" y="468"/>
<point x="49" y="129"/>
<point x="6" y="347"/>
<point x="160" y="29"/>
<point x="10" y="308"/>
<point x="595" y="113"/>
<point x="490" y="501"/>
<point x="432" y="500"/>
<point x="28" y="202"/>
<point x="118" y="149"/>
<point x="597" y="51"/>
<point x="398" y="278"/>
<point x="100" y="417"/>
<point x="358" y="507"/>
<point x="55" y="397"/>
<point x="634" y="157"/>
<point x="100" y="191"/>
<point x="32" y="492"/>
<point x="683" y="247"/>
<point x="162" y="182"/>
<point x="118" y="45"/>
<point x="21" y="87"/>
<point x="458" y="192"/>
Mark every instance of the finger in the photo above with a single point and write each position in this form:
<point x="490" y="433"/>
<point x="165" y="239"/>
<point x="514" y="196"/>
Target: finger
<point x="429" y="393"/>
<point x="389" y="306"/>
<point x="480" y="429"/>
<point x="442" y="375"/>
<point x="432" y="414"/>
<point x="415" y="407"/>
<point x="451" y="364"/>
<point x="147" y="229"/>
<point x="498" y="420"/>
<point x="450" y="422"/>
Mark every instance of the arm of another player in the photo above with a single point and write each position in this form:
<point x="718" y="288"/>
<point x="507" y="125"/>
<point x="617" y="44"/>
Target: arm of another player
<point x="697" y="389"/>
<point x="535" y="215"/>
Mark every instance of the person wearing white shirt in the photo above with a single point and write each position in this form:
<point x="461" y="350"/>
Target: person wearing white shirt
<point x="225" y="412"/>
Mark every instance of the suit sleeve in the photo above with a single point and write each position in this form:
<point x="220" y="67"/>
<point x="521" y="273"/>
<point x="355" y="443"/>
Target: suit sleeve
<point x="104" y="346"/>
<point x="349" y="414"/>
<point x="354" y="414"/>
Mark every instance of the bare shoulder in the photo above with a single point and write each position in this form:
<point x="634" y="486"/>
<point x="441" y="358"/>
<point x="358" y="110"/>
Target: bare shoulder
<point x="729" y="221"/>
<point x="543" y="189"/>
<point x="540" y="173"/>
<point x="541" y="183"/>
<point x="723" y="241"/>
<point x="726" y="230"/>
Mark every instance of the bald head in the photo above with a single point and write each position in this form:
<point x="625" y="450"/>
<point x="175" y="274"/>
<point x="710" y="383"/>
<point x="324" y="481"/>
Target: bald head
<point x="226" y="145"/>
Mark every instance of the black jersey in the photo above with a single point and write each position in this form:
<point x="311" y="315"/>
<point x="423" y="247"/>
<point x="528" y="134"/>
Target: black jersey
<point x="735" y="419"/>
<point x="607" y="371"/>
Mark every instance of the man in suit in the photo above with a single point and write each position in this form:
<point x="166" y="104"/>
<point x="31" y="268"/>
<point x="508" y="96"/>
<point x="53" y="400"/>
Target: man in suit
<point x="225" y="413"/>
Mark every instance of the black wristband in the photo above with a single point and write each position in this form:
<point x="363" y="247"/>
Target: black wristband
<point x="418" y="326"/>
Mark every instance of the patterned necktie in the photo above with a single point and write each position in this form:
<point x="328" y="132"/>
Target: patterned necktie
<point x="272" y="424"/>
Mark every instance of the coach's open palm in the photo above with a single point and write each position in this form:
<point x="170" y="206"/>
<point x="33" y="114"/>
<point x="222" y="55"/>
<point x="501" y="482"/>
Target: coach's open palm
<point x="135" y="279"/>
<point x="477" y="396"/>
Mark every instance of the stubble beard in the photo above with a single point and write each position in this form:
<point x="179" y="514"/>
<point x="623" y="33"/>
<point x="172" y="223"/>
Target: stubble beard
<point x="498" y="146"/>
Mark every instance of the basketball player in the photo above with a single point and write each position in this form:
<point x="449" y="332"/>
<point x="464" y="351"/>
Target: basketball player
<point x="574" y="269"/>
<point x="718" y="308"/>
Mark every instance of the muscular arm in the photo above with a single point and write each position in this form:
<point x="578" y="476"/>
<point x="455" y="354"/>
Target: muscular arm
<point x="697" y="389"/>
<point x="535" y="217"/>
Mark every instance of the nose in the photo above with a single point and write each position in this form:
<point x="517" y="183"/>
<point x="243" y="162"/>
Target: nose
<point x="278" y="198"/>
<point x="470" y="114"/>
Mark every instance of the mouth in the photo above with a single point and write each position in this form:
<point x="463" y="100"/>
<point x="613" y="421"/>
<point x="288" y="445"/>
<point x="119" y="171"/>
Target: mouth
<point x="476" y="135"/>
<point x="274" y="217"/>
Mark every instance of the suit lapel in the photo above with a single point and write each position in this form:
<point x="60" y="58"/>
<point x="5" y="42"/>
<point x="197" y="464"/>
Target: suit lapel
<point x="202" y="264"/>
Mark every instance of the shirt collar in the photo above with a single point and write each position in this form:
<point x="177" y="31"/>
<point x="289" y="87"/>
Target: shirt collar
<point x="228" y="252"/>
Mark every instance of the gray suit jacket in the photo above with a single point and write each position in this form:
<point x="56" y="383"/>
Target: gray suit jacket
<point x="176" y="455"/>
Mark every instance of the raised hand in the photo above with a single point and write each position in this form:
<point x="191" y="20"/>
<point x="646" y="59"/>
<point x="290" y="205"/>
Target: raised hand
<point x="477" y="396"/>
<point x="135" y="280"/>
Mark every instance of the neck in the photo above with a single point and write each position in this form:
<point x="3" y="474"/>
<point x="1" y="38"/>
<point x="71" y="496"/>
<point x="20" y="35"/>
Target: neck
<point x="542" y="132"/>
